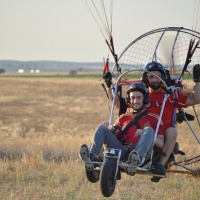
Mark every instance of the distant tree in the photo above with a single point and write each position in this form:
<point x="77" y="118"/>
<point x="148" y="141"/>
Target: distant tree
<point x="72" y="72"/>
<point x="2" y="71"/>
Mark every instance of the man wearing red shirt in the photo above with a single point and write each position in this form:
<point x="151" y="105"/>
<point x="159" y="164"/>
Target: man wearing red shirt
<point x="139" y="138"/>
<point x="174" y="102"/>
<point x="156" y="100"/>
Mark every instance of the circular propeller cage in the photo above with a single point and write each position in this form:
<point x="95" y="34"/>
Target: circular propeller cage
<point x="169" y="46"/>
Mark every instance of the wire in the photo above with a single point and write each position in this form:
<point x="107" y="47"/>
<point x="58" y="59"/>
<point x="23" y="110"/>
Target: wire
<point x="106" y="29"/>
<point x="103" y="23"/>
<point x="111" y="15"/>
<point x="196" y="12"/>
<point x="101" y="18"/>
<point x="105" y="19"/>
<point x="193" y="15"/>
<point x="98" y="24"/>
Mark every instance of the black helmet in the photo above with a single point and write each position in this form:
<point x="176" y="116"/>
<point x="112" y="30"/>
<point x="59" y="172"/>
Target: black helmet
<point x="141" y="88"/>
<point x="154" y="66"/>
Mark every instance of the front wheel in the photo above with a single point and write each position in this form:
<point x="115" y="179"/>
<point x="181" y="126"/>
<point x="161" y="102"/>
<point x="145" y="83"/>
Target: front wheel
<point x="107" y="178"/>
<point x="92" y="176"/>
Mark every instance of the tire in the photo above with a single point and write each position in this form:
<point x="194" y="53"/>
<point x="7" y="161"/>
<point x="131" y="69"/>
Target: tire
<point x="107" y="178"/>
<point x="92" y="176"/>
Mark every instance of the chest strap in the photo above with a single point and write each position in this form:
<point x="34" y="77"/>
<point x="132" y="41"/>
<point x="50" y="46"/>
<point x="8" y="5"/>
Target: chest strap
<point x="135" y="122"/>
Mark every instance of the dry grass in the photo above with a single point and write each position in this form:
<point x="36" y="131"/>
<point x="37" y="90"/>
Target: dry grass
<point x="43" y="124"/>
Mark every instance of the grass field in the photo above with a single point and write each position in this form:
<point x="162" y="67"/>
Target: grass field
<point x="44" y="121"/>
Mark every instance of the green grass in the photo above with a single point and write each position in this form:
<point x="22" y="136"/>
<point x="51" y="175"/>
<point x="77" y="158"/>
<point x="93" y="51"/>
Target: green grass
<point x="98" y="76"/>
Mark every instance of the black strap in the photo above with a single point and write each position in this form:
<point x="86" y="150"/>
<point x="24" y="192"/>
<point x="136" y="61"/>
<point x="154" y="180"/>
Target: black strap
<point x="159" y="151"/>
<point x="134" y="121"/>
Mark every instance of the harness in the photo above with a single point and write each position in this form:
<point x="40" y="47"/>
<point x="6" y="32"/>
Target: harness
<point x="173" y="120"/>
<point x="135" y="122"/>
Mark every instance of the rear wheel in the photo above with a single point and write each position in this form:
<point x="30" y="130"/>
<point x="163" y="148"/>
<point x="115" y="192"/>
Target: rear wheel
<point x="107" y="179"/>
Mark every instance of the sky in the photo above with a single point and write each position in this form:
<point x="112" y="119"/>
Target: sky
<point x="64" y="30"/>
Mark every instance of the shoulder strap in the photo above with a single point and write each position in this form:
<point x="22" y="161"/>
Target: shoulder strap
<point x="131" y="123"/>
<point x="173" y="120"/>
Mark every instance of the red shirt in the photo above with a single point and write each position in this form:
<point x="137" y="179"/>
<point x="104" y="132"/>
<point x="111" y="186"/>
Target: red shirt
<point x="156" y="101"/>
<point x="149" y="120"/>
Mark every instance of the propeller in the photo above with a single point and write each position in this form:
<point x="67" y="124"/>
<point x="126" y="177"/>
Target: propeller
<point x="165" y="52"/>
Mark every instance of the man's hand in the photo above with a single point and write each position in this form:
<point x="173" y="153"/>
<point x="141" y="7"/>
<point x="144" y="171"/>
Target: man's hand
<point x="196" y="73"/>
<point x="114" y="128"/>
<point x="139" y="133"/>
<point x="108" y="79"/>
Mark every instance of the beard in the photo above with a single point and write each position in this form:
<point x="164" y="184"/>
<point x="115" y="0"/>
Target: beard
<point x="155" y="86"/>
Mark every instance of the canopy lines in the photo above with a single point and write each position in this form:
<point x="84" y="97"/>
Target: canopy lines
<point x="196" y="17"/>
<point x="103" y="20"/>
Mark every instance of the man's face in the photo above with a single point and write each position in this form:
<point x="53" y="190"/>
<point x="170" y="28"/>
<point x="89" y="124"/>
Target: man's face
<point x="154" y="82"/>
<point x="136" y="99"/>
